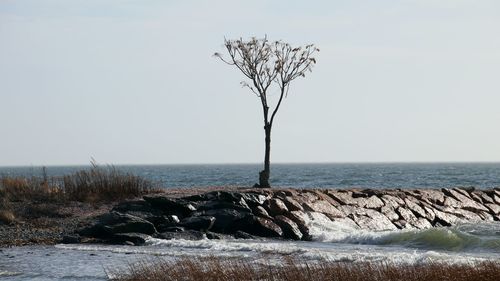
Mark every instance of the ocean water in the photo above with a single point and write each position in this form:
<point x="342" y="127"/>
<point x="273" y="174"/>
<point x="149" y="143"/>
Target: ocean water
<point x="377" y="175"/>
<point x="332" y="241"/>
<point x="335" y="241"/>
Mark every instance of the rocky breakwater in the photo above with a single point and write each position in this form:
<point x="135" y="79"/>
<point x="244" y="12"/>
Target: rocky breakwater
<point x="286" y="213"/>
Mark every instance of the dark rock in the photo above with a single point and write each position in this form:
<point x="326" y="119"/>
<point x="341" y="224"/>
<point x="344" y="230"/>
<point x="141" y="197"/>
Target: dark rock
<point x="166" y="222"/>
<point x="186" y="235"/>
<point x="211" y="205"/>
<point x="134" y="206"/>
<point x="261" y="212"/>
<point x="71" y="239"/>
<point x="243" y="235"/>
<point x="290" y="228"/>
<point x="201" y="223"/>
<point x="345" y="198"/>
<point x="254" y="199"/>
<point x="214" y="236"/>
<point x="275" y="206"/>
<point x="171" y="206"/>
<point x="174" y="229"/>
<point x="115" y="222"/>
<point x="298" y="217"/>
<point x="261" y="227"/>
<point x="227" y="220"/>
<point x="136" y="239"/>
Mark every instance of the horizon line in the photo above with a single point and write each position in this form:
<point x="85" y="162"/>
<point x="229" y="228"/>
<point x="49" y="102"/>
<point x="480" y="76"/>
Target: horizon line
<point x="252" y="163"/>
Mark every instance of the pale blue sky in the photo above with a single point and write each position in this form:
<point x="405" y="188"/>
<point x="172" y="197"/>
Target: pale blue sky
<point x="134" y="82"/>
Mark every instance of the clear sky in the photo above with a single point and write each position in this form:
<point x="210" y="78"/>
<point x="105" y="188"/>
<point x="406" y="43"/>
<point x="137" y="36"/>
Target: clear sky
<point x="134" y="82"/>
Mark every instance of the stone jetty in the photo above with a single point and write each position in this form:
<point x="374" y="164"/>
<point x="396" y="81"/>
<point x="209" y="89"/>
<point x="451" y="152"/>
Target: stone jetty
<point x="284" y="213"/>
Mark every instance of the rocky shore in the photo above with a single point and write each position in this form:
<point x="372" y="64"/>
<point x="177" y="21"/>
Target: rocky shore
<point x="284" y="213"/>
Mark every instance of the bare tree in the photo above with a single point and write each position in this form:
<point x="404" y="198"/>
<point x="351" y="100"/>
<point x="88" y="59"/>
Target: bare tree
<point x="268" y="65"/>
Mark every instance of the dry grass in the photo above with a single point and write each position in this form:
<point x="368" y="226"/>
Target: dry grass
<point x="217" y="269"/>
<point x="96" y="184"/>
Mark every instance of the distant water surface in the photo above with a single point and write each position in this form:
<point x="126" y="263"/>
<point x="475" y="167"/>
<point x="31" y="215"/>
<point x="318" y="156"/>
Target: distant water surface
<point x="386" y="175"/>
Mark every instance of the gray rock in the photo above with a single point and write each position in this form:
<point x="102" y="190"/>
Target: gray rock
<point x="433" y="196"/>
<point x="275" y="206"/>
<point x="289" y="227"/>
<point x="422" y="223"/>
<point x="389" y="212"/>
<point x="372" y="202"/>
<point x="445" y="219"/>
<point x="322" y="206"/>
<point x="466" y="202"/>
<point x="392" y="201"/>
<point x="345" y="198"/>
<point x="377" y="224"/>
<point x="292" y="204"/>
<point x="299" y="218"/>
<point x="412" y="204"/>
<point x="493" y="208"/>
<point x="261" y="227"/>
<point x="406" y="214"/>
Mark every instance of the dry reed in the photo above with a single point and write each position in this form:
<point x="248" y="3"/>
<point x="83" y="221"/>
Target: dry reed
<point x="218" y="269"/>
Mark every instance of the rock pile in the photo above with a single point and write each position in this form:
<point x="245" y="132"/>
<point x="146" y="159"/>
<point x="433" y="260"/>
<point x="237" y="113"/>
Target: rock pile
<point x="282" y="213"/>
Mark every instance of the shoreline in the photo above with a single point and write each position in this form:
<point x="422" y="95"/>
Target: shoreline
<point x="280" y="213"/>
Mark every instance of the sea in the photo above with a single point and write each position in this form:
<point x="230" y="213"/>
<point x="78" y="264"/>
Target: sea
<point x="467" y="243"/>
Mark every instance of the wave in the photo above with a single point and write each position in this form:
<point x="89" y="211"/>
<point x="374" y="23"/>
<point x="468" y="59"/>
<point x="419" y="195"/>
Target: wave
<point x="461" y="238"/>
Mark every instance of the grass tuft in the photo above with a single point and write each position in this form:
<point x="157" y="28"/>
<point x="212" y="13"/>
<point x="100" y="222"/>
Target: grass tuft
<point x="96" y="184"/>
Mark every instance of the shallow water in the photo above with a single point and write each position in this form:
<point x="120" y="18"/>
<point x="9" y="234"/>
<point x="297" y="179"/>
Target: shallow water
<point x="462" y="244"/>
<point x="377" y="175"/>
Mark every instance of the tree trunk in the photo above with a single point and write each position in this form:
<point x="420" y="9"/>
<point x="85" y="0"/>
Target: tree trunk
<point x="264" y="174"/>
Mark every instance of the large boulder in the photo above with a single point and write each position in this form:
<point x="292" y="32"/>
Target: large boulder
<point x="114" y="222"/>
<point x="211" y="205"/>
<point x="227" y="220"/>
<point x="298" y="217"/>
<point x="292" y="204"/>
<point x="290" y="228"/>
<point x="465" y="202"/>
<point x="275" y="206"/>
<point x="171" y="206"/>
<point x="322" y="206"/>
<point x="261" y="227"/>
<point x="200" y="223"/>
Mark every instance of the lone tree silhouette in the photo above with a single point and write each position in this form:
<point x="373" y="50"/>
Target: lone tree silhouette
<point x="268" y="65"/>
